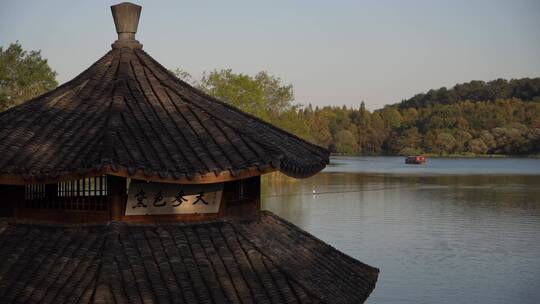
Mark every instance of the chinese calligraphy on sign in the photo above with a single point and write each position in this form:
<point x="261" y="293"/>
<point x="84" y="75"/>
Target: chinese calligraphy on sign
<point x="156" y="198"/>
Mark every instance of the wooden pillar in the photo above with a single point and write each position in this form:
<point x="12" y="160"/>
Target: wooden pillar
<point x="116" y="197"/>
<point x="51" y="191"/>
<point x="10" y="197"/>
<point x="252" y="192"/>
<point x="241" y="198"/>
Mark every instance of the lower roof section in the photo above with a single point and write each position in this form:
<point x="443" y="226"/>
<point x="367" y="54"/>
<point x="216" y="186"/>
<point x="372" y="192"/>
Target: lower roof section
<point x="264" y="259"/>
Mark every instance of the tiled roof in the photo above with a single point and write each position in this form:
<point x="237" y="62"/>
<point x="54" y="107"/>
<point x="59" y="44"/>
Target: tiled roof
<point x="127" y="112"/>
<point x="259" y="260"/>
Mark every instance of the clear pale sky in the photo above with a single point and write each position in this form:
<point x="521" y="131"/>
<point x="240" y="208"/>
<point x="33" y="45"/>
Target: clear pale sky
<point x="333" y="52"/>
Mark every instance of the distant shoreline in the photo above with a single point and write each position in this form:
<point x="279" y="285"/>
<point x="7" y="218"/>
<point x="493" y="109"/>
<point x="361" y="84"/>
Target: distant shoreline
<point x="445" y="155"/>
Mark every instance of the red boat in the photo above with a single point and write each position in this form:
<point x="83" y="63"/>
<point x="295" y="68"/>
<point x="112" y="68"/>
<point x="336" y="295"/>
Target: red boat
<point x="415" y="160"/>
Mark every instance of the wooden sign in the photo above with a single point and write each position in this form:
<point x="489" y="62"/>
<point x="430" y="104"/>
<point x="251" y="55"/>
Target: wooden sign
<point x="158" y="198"/>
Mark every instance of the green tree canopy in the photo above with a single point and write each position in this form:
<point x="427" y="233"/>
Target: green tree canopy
<point x="263" y="95"/>
<point x="526" y="89"/>
<point x="184" y="76"/>
<point x="392" y="117"/>
<point x="346" y="142"/>
<point x="23" y="75"/>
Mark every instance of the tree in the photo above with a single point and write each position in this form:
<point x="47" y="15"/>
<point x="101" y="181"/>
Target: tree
<point x="374" y="141"/>
<point x="361" y="117"/>
<point x="410" y="115"/>
<point x="526" y="89"/>
<point x="184" y="76"/>
<point x="23" y="75"/>
<point x="477" y="146"/>
<point x="462" y="137"/>
<point x="509" y="140"/>
<point x="320" y="131"/>
<point x="377" y="121"/>
<point x="440" y="142"/>
<point x="391" y="117"/>
<point x="292" y="122"/>
<point x="410" y="151"/>
<point x="277" y="97"/>
<point x="533" y="137"/>
<point x="410" y="138"/>
<point x="263" y="95"/>
<point x="488" y="140"/>
<point x="346" y="142"/>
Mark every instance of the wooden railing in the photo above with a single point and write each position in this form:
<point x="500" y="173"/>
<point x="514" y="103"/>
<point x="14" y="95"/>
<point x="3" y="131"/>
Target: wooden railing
<point x="88" y="194"/>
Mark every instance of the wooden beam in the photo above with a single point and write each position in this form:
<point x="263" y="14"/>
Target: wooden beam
<point x="208" y="178"/>
<point x="241" y="198"/>
<point x="116" y="197"/>
<point x="169" y="218"/>
<point x="63" y="216"/>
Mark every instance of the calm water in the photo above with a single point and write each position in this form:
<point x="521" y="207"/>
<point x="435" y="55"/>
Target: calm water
<point x="451" y="231"/>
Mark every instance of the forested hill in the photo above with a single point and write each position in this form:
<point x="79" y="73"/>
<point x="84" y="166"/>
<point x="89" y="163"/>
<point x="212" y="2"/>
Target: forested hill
<point x="525" y="89"/>
<point x="474" y="118"/>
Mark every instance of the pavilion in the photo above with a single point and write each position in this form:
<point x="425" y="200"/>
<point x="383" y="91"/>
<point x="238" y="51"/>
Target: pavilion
<point x="128" y="185"/>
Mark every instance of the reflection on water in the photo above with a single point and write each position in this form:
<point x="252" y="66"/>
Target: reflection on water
<point x="437" y="237"/>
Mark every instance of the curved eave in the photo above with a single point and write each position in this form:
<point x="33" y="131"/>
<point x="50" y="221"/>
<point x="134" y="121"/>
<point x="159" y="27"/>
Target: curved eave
<point x="208" y="178"/>
<point x="141" y="174"/>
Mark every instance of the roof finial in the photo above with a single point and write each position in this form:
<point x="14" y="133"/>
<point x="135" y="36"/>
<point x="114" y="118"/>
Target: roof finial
<point x="126" y="18"/>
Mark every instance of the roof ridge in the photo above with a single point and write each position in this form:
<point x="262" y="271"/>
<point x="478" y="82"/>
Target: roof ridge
<point x="152" y="97"/>
<point x="116" y="107"/>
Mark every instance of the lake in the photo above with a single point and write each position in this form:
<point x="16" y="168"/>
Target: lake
<point x="456" y="230"/>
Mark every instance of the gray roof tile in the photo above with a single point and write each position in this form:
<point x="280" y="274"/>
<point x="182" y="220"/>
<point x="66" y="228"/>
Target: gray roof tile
<point x="264" y="259"/>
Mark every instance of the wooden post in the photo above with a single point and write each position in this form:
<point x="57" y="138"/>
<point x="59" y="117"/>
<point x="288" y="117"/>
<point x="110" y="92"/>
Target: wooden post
<point x="51" y="195"/>
<point x="116" y="197"/>
<point x="10" y="197"/>
<point x="241" y="198"/>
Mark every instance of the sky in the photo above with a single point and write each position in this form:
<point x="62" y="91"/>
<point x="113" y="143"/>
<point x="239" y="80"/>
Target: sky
<point x="332" y="52"/>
